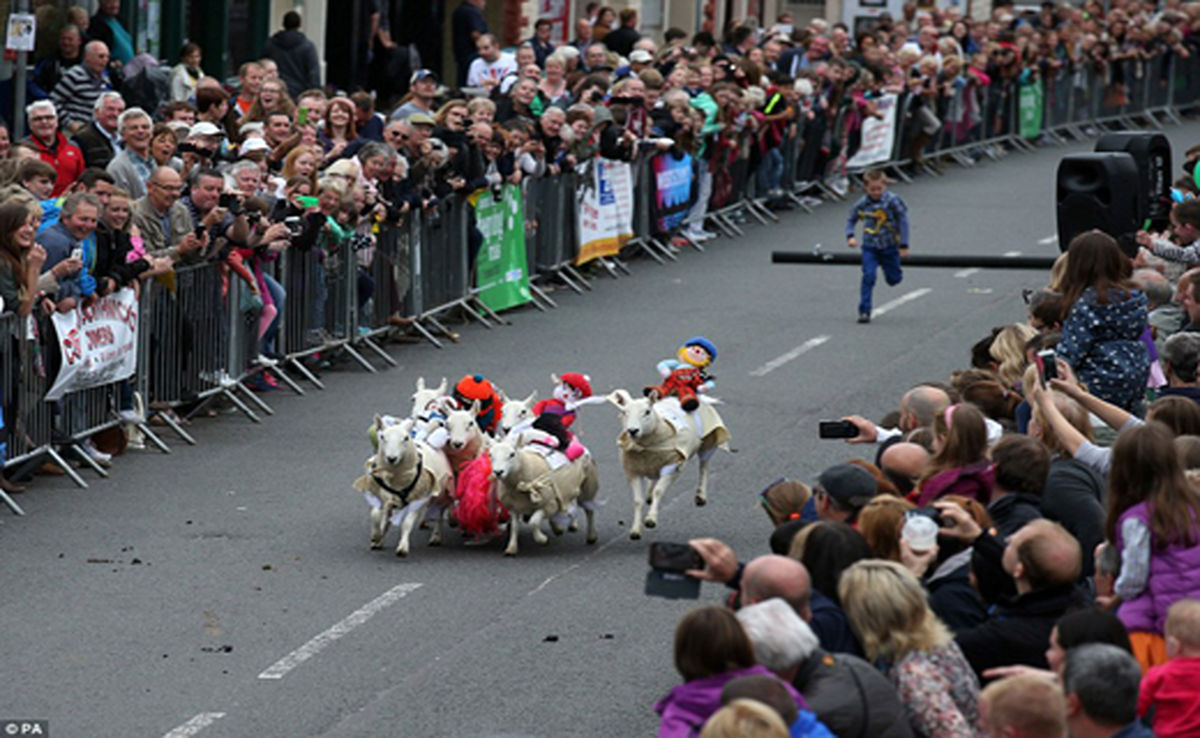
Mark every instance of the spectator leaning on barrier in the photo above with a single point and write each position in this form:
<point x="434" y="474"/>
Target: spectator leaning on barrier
<point x="164" y="221"/>
<point x="99" y="140"/>
<point x="52" y="146"/>
<point x="132" y="167"/>
<point x="80" y="85"/>
<point x="70" y="247"/>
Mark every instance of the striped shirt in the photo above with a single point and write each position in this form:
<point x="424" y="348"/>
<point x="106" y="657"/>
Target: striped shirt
<point x="76" y="93"/>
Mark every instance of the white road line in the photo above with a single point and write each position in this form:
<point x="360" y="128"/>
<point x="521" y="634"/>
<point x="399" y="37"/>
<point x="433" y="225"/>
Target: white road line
<point x="195" y="725"/>
<point x="281" y="667"/>
<point x="893" y="304"/>
<point x="779" y="361"/>
<point x="1011" y="254"/>
<point x="966" y="272"/>
<point x="1047" y="240"/>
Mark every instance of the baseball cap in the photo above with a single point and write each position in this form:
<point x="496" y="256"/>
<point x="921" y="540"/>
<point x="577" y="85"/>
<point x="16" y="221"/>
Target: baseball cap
<point x="640" y="56"/>
<point x="250" y="145"/>
<point x="204" y="128"/>
<point x="421" y="74"/>
<point x="421" y="119"/>
<point x="850" y="486"/>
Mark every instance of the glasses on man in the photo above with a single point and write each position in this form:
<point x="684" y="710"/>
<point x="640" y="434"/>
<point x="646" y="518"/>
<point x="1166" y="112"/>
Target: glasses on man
<point x="40" y="118"/>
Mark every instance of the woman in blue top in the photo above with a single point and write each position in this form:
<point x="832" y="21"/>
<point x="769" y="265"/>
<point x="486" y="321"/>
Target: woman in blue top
<point x="1103" y="320"/>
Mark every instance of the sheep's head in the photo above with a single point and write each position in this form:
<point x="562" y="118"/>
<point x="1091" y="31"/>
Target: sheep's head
<point x="395" y="442"/>
<point x="637" y="416"/>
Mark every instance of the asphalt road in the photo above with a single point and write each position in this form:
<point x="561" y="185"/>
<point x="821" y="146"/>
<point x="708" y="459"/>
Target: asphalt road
<point x="158" y="601"/>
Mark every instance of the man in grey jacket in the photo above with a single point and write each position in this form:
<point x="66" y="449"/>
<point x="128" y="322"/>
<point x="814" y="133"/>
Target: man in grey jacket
<point x="299" y="67"/>
<point x="848" y="695"/>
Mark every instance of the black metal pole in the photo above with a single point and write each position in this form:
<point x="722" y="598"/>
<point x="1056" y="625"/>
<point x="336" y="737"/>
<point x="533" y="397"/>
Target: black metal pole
<point x="946" y="261"/>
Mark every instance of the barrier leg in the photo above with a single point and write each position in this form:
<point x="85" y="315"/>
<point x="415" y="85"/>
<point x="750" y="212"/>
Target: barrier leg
<point x="67" y="468"/>
<point x="387" y="358"/>
<point x="82" y="456"/>
<point x="255" y="398"/>
<point x="304" y="372"/>
<point x="426" y="334"/>
<point x="358" y="358"/>
<point x="10" y="503"/>
<point x="171" y="423"/>
<point x="540" y="297"/>
<point x="153" y="438"/>
<point x="229" y="394"/>
<point x="562" y="274"/>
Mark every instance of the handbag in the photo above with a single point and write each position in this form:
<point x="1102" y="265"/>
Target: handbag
<point x="250" y="302"/>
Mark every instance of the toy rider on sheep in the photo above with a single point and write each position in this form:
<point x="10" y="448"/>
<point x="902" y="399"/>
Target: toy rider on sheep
<point x="474" y="387"/>
<point x="685" y="376"/>
<point x="555" y="415"/>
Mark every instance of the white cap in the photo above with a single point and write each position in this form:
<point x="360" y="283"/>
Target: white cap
<point x="640" y="56"/>
<point x="204" y="128"/>
<point x="251" y="145"/>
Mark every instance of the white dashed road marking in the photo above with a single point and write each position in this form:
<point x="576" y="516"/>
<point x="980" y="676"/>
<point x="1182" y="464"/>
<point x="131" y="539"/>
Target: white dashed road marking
<point x="281" y="667"/>
<point x="966" y="272"/>
<point x="1047" y="240"/>
<point x="779" y="361"/>
<point x="1011" y="254"/>
<point x="195" y="725"/>
<point x="893" y="304"/>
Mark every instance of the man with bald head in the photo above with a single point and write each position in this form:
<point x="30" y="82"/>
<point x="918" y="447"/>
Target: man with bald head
<point x="918" y="407"/>
<point x="773" y="576"/>
<point x="1042" y="563"/>
<point x="904" y="463"/>
<point x="164" y="221"/>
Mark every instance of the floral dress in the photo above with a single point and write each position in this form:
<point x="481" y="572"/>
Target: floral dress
<point x="939" y="692"/>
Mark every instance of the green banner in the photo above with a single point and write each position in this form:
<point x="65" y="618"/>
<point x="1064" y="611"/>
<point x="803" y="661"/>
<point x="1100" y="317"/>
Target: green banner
<point x="1030" y="109"/>
<point x="501" y="273"/>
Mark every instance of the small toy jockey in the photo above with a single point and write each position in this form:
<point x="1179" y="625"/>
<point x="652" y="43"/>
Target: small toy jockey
<point x="474" y="387"/>
<point x="685" y="376"/>
<point x="556" y="414"/>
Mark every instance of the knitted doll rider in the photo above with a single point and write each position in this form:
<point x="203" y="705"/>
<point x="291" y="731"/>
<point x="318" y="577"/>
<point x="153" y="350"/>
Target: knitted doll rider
<point x="474" y="387"/>
<point x="685" y="376"/>
<point x="556" y="414"/>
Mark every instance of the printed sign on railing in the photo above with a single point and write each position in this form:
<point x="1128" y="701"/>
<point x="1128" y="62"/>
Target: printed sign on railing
<point x="97" y="344"/>
<point x="605" y="210"/>
<point x="672" y="189"/>
<point x="1030" y="101"/>
<point x="500" y="268"/>
<point x="878" y="135"/>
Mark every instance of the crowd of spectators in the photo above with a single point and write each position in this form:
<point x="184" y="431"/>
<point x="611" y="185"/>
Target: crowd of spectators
<point x="1018" y="557"/>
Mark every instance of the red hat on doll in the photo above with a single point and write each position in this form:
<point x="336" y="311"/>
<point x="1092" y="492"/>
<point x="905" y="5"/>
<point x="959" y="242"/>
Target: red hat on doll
<point x="577" y="382"/>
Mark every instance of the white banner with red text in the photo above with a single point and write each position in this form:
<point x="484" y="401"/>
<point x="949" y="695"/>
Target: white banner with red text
<point x="97" y="343"/>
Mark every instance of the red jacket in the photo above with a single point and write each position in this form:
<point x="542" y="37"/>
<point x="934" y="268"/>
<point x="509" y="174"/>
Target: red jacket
<point x="1173" y="690"/>
<point x="64" y="156"/>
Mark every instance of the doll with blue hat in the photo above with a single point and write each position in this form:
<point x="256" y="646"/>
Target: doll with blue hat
<point x="687" y="374"/>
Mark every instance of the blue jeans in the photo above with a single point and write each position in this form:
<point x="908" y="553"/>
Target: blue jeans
<point x="278" y="296"/>
<point x="889" y="259"/>
<point x="770" y="172"/>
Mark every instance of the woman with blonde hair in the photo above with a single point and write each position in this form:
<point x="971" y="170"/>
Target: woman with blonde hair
<point x="1008" y="349"/>
<point x="302" y="162"/>
<point x="888" y="612"/>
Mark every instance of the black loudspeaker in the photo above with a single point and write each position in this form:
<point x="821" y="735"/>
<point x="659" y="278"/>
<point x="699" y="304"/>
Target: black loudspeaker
<point x="1152" y="154"/>
<point x="1098" y="191"/>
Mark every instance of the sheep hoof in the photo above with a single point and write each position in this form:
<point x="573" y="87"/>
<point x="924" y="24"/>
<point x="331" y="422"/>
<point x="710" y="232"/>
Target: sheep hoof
<point x="591" y="540"/>
<point x="433" y="542"/>
<point x="508" y="552"/>
<point x="635" y="535"/>
<point x="701" y="501"/>
<point x="376" y="545"/>
<point x="401" y="553"/>
<point x="650" y="524"/>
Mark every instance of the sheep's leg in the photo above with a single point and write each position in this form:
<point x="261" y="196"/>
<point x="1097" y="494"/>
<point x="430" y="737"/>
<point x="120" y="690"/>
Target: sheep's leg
<point x="665" y="478"/>
<point x="635" y="530"/>
<point x="535" y="522"/>
<point x="379" y="526"/>
<point x="436" y="538"/>
<point x="406" y="527"/>
<point x="706" y="454"/>
<point x="514" y="526"/>
<point x="589" y="509"/>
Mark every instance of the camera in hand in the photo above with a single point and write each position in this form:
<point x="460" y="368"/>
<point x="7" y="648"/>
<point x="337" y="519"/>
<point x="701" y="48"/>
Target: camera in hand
<point x="294" y="225"/>
<point x="933" y="514"/>
<point x="837" y="429"/>
<point x="668" y="561"/>
<point x="1047" y="362"/>
<point x="230" y="202"/>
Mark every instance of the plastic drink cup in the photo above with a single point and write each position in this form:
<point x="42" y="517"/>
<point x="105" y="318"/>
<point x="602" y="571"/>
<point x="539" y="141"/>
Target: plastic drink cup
<point x="920" y="532"/>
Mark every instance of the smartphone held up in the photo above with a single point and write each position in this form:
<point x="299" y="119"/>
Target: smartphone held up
<point x="666" y="578"/>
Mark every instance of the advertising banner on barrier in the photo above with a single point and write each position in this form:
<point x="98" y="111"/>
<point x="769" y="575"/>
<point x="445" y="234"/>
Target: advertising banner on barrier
<point x="1029" y="108"/>
<point x="605" y="210"/>
<point x="672" y="189"/>
<point x="97" y="344"/>
<point x="501" y="268"/>
<point x="878" y="135"/>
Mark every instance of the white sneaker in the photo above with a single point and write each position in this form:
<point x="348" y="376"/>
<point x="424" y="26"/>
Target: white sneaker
<point x="703" y="236"/>
<point x="96" y="454"/>
<point x="130" y="416"/>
